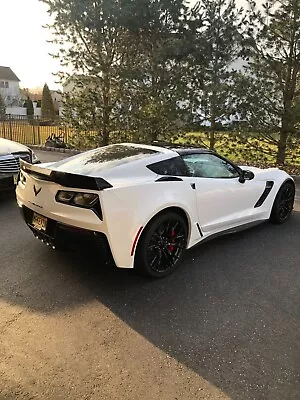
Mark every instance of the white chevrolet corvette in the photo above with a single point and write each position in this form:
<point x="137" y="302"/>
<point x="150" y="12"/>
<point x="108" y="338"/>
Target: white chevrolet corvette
<point x="148" y="204"/>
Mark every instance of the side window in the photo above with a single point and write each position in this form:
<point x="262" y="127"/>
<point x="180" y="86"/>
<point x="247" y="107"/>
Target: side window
<point x="174" y="167"/>
<point x="209" y="166"/>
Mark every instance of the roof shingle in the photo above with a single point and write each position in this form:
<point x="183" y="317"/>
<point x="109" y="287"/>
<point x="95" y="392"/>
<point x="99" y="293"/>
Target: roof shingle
<point x="7" y="74"/>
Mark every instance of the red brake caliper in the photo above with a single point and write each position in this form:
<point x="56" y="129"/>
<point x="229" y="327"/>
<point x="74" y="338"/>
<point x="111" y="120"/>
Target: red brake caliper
<point x="171" y="246"/>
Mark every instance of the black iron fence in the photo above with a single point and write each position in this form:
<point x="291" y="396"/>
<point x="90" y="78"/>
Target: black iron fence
<point x="33" y="130"/>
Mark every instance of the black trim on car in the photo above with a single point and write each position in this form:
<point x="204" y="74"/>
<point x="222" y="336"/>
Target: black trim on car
<point x="199" y="229"/>
<point x="236" y="229"/>
<point x="169" y="179"/>
<point x="182" y="151"/>
<point x="67" y="179"/>
<point x="174" y="166"/>
<point x="265" y="194"/>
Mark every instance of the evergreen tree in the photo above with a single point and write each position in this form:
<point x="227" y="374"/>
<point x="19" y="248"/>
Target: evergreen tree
<point x="123" y="54"/>
<point x="48" y="110"/>
<point x="29" y="108"/>
<point x="216" y="46"/>
<point x="98" y="54"/>
<point x="156" y="88"/>
<point x="269" y="93"/>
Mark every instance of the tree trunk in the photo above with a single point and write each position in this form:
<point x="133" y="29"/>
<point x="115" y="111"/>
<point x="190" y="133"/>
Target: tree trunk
<point x="286" y="129"/>
<point x="106" y="111"/>
<point x="282" y="144"/>
<point x="105" y="130"/>
<point x="212" y="139"/>
<point x="153" y="134"/>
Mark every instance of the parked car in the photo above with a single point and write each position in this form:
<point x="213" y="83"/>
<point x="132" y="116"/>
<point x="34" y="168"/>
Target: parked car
<point x="10" y="155"/>
<point x="148" y="204"/>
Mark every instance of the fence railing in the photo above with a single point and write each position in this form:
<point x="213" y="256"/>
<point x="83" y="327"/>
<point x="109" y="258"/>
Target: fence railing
<point x="33" y="130"/>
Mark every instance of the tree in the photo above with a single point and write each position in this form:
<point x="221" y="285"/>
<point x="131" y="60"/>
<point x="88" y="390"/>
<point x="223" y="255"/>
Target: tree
<point x="217" y="45"/>
<point x="97" y="51"/>
<point x="48" y="110"/>
<point x="2" y="108"/>
<point x="124" y="57"/>
<point x="270" y="98"/>
<point x="29" y="108"/>
<point x="154" y="100"/>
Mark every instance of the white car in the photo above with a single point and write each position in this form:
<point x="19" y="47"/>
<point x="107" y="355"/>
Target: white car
<point x="10" y="155"/>
<point x="148" y="204"/>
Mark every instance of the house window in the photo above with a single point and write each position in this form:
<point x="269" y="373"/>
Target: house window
<point x="6" y="84"/>
<point x="1" y="84"/>
<point x="8" y="98"/>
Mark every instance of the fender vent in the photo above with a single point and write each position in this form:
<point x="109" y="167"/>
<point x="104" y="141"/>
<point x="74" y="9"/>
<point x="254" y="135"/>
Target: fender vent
<point x="266" y="192"/>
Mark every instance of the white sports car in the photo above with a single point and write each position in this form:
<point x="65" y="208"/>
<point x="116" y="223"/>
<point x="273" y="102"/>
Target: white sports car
<point x="148" y="204"/>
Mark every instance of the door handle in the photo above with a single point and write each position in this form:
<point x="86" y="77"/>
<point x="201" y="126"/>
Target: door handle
<point x="193" y="186"/>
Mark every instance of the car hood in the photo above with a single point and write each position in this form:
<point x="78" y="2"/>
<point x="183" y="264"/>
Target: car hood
<point x="8" y="147"/>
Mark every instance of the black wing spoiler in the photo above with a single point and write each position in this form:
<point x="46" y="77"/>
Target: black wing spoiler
<point x="64" y="178"/>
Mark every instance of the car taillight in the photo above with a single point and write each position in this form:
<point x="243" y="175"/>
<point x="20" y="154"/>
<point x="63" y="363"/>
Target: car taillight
<point x="80" y="199"/>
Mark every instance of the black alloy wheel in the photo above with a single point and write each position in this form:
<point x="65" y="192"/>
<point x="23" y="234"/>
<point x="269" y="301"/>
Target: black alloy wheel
<point x="162" y="245"/>
<point x="283" y="204"/>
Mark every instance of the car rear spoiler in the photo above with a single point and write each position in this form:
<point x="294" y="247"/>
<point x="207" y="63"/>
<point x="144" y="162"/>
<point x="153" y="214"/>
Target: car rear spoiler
<point x="65" y="179"/>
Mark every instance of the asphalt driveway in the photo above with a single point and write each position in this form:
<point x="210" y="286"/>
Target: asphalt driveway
<point x="225" y="325"/>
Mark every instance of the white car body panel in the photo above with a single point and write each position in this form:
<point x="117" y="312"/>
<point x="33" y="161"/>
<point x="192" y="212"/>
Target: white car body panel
<point x="215" y="205"/>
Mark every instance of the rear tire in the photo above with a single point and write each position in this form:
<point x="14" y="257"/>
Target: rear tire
<point x="162" y="245"/>
<point x="283" y="203"/>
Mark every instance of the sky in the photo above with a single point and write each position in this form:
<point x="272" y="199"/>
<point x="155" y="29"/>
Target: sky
<point x="24" y="46"/>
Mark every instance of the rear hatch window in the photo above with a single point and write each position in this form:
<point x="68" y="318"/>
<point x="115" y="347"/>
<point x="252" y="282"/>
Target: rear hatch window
<point x="103" y="158"/>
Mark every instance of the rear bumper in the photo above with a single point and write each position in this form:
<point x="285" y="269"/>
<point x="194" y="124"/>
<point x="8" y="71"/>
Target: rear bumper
<point x="59" y="235"/>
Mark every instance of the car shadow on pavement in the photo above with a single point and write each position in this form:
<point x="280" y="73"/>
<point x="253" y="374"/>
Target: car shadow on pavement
<point x="230" y="313"/>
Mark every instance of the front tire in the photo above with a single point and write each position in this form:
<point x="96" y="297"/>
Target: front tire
<point x="162" y="245"/>
<point x="283" y="204"/>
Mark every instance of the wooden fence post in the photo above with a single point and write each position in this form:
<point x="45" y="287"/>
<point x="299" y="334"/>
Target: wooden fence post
<point x="33" y="131"/>
<point x="39" y="132"/>
<point x="10" y="127"/>
<point x="3" y="128"/>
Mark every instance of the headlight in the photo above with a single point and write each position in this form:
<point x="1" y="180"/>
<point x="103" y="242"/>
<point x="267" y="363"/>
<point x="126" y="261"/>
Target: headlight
<point x="34" y="158"/>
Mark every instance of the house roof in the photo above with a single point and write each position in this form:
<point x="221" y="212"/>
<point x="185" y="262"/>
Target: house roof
<point x="7" y="74"/>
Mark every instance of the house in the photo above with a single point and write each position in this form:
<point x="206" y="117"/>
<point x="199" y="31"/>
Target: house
<point x="9" y="87"/>
<point x="57" y="98"/>
<point x="75" y="83"/>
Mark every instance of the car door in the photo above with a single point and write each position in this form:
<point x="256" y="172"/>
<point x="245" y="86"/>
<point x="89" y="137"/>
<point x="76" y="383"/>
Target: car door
<point x="222" y="200"/>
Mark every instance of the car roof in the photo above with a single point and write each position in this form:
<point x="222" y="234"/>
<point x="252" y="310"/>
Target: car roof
<point x="120" y="162"/>
<point x="181" y="149"/>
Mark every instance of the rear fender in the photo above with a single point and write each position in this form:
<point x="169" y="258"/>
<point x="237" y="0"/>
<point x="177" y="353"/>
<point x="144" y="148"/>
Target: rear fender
<point x="128" y="210"/>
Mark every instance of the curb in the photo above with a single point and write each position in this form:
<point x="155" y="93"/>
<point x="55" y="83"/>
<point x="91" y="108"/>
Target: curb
<point x="54" y="149"/>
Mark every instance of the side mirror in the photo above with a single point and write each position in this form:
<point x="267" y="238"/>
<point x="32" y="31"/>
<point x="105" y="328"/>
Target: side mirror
<point x="246" y="176"/>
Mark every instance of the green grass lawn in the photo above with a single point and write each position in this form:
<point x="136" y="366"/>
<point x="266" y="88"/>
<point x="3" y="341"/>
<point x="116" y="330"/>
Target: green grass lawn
<point x="241" y="148"/>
